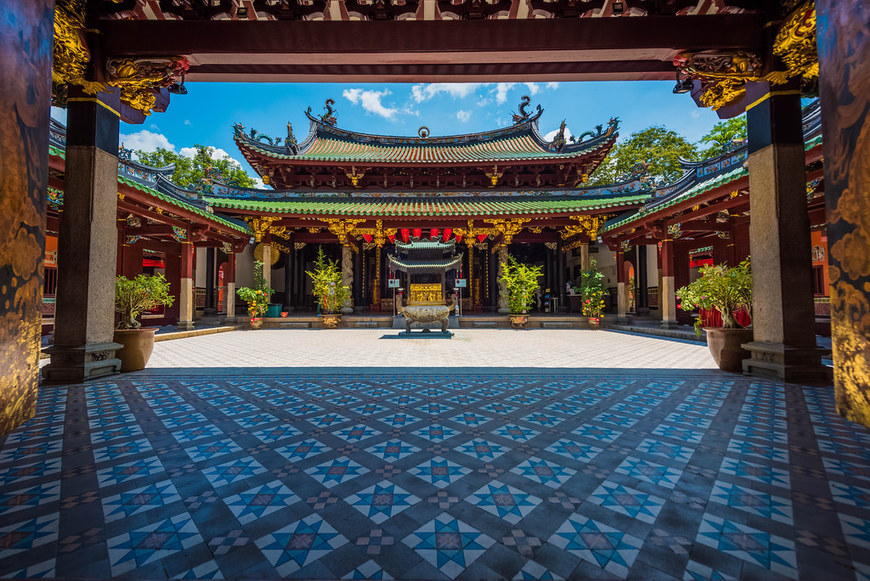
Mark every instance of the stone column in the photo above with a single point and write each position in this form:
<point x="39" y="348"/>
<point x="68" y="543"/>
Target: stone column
<point x="562" y="267"/>
<point x="376" y="289"/>
<point x="621" y="288"/>
<point x="230" y="286"/>
<point x="502" y="287"/>
<point x="584" y="256"/>
<point x="844" y="58"/>
<point x="784" y="344"/>
<point x="641" y="280"/>
<point x="357" y="287"/>
<point x="186" y="298"/>
<point x="267" y="261"/>
<point x="290" y="276"/>
<point x="347" y="276"/>
<point x="667" y="296"/>
<point x="25" y="97"/>
<point x="471" y="279"/>
<point x="87" y="244"/>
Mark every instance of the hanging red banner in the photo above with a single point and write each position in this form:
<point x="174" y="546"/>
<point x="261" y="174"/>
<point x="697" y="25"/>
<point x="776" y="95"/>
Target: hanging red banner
<point x="367" y="237"/>
<point x="392" y="238"/>
<point x="481" y="237"/>
<point x="459" y="238"/>
<point x="406" y="234"/>
<point x="446" y="234"/>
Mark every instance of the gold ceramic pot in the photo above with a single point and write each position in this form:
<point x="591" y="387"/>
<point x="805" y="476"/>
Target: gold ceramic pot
<point x="137" y="347"/>
<point x="594" y="321"/>
<point x="256" y="322"/>
<point x="520" y="321"/>
<point x="332" y="320"/>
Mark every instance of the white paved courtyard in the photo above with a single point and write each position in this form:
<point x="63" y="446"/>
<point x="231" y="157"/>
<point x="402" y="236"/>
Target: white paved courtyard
<point x="469" y="348"/>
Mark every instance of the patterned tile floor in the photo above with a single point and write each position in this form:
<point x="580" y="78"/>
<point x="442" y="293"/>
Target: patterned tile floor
<point x="677" y="475"/>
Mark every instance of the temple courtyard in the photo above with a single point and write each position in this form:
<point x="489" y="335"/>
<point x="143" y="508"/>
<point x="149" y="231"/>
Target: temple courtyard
<point x="540" y="454"/>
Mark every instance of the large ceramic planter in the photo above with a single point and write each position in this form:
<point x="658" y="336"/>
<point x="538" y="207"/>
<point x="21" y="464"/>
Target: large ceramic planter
<point x="256" y="322"/>
<point x="273" y="311"/>
<point x="594" y="321"/>
<point x="725" y="347"/>
<point x="137" y="347"/>
<point x="332" y="320"/>
<point x="519" y="321"/>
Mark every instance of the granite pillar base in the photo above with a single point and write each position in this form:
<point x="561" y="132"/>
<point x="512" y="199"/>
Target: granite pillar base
<point x="792" y="364"/>
<point x="80" y="363"/>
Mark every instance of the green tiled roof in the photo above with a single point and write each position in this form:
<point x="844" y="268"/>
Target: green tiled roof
<point x="180" y="204"/>
<point x="694" y="191"/>
<point x="56" y="151"/>
<point x="435" y="208"/>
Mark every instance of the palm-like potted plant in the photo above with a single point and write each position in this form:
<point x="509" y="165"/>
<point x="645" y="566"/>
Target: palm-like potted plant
<point x="256" y="296"/>
<point x="727" y="290"/>
<point x="132" y="298"/>
<point x="592" y="291"/>
<point x="329" y="290"/>
<point x="521" y="281"/>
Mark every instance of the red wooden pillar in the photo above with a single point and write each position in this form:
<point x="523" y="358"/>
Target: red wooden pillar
<point x="230" y="285"/>
<point x="621" y="287"/>
<point x="668" y="298"/>
<point x="186" y="290"/>
<point x="173" y="275"/>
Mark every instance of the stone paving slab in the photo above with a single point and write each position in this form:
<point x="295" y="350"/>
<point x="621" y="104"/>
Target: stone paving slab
<point x="682" y="474"/>
<point x="493" y="348"/>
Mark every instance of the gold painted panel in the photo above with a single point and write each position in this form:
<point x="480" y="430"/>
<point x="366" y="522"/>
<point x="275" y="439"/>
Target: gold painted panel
<point x="425" y="294"/>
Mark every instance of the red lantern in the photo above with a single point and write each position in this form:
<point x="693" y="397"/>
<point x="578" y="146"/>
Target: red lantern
<point x="418" y="233"/>
<point x="447" y="233"/>
<point x="406" y="234"/>
<point x="367" y="237"/>
<point x="481" y="237"/>
<point x="433" y="233"/>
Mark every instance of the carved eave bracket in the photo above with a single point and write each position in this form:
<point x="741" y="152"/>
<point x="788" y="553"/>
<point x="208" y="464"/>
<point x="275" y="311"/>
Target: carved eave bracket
<point x="342" y="228"/>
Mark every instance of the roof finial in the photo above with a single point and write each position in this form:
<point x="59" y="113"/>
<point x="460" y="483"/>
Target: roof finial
<point x="329" y="117"/>
<point x="525" y="115"/>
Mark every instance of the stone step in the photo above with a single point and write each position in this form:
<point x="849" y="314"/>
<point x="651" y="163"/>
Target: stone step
<point x="490" y="324"/>
<point x="295" y="325"/>
<point x="557" y="325"/>
<point x="361" y="324"/>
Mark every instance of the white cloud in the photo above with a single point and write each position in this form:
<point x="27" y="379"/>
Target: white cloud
<point x="484" y="101"/>
<point x="258" y="182"/>
<point x="145" y="140"/>
<point x="552" y="134"/>
<point x="371" y="101"/>
<point x="59" y="115"/>
<point x="216" y="153"/>
<point x="425" y="92"/>
<point x="501" y="91"/>
<point x="552" y="85"/>
<point x="533" y="88"/>
<point x="463" y="116"/>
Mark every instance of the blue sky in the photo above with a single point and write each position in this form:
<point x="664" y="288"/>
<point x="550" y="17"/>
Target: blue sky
<point x="207" y="113"/>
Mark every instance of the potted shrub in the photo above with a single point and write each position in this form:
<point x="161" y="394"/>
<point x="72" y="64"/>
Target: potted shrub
<point x="592" y="292"/>
<point x="329" y="291"/>
<point x="257" y="296"/>
<point x="727" y="290"/>
<point x="521" y="281"/>
<point x="132" y="297"/>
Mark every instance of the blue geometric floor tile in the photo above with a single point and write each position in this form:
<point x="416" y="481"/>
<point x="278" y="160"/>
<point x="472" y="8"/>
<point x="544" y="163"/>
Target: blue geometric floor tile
<point x="766" y="505"/>
<point x="547" y="473"/>
<point x="381" y="501"/>
<point x="677" y="433"/>
<point x="328" y="420"/>
<point x="110" y="434"/>
<point x="369" y="409"/>
<point x="693" y="421"/>
<point x="649" y="472"/>
<point x="31" y="497"/>
<point x="439" y="471"/>
<point x="599" y="433"/>
<point x="470" y="419"/>
<point x="847" y="468"/>
<point x="665" y="450"/>
<point x="616" y="419"/>
<point x="207" y="570"/>
<point x="299" y="544"/>
<point x="259" y="501"/>
<point x="283" y="401"/>
<point x="565" y="408"/>
<point x="460" y="399"/>
<point x="18" y="473"/>
<point x="28" y="433"/>
<point x="433" y="408"/>
<point x="139" y="500"/>
<point x="573" y="449"/>
<point x="516" y="433"/>
<point x="183" y="421"/>
<point x="763" y="451"/>
<point x="25" y="535"/>
<point x="448" y="544"/>
<point x="45" y="569"/>
<point x="744" y="542"/>
<point x="522" y="399"/>
<point x="611" y="549"/>
<point x="532" y="571"/>
<point x="542" y="419"/>
<point x="697" y="572"/>
<point x="301" y="450"/>
<point x="392" y="450"/>
<point x="403" y="399"/>
<point x="504" y="501"/>
<point x="232" y="471"/>
<point x="108" y="421"/>
<point x="856" y="530"/>
<point x="770" y="475"/>
<point x="760" y="432"/>
<point x="435" y="432"/>
<point x="334" y="472"/>
<point x="271" y="435"/>
<point x="344" y="400"/>
<point x="627" y="501"/>
<point x="356" y="433"/>
<point x="399" y="420"/>
<point x="152" y="542"/>
<point x="482" y="450"/>
<point x="850" y="494"/>
<point x="202" y="452"/>
<point x="144" y="467"/>
<point x="368" y="570"/>
<point x="115" y="451"/>
<point x="303" y="409"/>
<point x="498" y="408"/>
<point x="256" y="421"/>
<point x="186" y="435"/>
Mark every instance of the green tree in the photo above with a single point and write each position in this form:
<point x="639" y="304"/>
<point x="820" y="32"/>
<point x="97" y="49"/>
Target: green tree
<point x="658" y="148"/>
<point x="723" y="133"/>
<point x="198" y="171"/>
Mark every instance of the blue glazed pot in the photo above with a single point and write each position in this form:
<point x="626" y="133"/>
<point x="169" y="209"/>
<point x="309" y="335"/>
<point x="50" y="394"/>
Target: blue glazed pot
<point x="273" y="311"/>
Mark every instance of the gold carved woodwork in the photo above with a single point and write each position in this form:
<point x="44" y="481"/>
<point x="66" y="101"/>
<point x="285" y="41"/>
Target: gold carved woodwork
<point x="139" y="78"/>
<point x="588" y="225"/>
<point x="341" y="228"/>
<point x="536" y="229"/>
<point x="261" y="225"/>
<point x="494" y="176"/>
<point x="795" y="42"/>
<point x="273" y="255"/>
<point x="354" y="176"/>
<point x="379" y="234"/>
<point x="470" y="233"/>
<point x="508" y="228"/>
<point x="425" y="294"/>
<point x="71" y="54"/>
